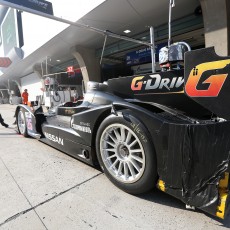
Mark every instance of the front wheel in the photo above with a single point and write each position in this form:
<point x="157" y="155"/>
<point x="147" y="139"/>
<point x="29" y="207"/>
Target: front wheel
<point x="126" y="155"/>
<point x="21" y="123"/>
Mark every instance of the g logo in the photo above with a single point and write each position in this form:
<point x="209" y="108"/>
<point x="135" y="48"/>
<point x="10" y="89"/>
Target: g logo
<point x="136" y="85"/>
<point x="207" y="79"/>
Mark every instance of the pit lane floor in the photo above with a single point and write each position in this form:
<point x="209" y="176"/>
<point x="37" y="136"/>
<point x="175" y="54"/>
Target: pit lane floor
<point x="42" y="188"/>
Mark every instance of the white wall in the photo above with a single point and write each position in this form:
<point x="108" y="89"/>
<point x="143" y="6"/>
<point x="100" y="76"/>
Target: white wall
<point x="33" y="84"/>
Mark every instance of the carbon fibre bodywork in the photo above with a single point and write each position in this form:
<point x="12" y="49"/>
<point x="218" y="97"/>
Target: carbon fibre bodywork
<point x="190" y="141"/>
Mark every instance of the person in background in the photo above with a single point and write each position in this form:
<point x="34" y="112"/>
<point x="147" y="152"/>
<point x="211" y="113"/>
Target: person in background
<point x="25" y="96"/>
<point x="2" y="121"/>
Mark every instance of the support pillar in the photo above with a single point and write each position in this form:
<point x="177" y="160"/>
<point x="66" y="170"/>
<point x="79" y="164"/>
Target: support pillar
<point x="40" y="72"/>
<point x="216" y="15"/>
<point x="89" y="64"/>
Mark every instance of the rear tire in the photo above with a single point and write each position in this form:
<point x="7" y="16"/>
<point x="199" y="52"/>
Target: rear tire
<point x="126" y="155"/>
<point x="21" y="123"/>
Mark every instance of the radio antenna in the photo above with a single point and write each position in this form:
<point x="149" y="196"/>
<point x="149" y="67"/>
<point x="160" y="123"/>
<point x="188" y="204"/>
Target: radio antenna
<point x="171" y="5"/>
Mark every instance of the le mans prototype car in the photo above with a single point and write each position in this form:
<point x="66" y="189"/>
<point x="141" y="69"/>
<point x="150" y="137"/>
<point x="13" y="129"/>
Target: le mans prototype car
<point x="166" y="129"/>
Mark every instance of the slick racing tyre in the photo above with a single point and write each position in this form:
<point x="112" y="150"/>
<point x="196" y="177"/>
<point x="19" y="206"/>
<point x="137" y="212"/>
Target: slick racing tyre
<point x="21" y="123"/>
<point x="126" y="155"/>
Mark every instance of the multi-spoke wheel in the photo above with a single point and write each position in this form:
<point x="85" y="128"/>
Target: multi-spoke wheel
<point x="125" y="155"/>
<point x="122" y="153"/>
<point x="21" y="122"/>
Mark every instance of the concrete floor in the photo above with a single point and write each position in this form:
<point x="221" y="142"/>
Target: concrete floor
<point x="42" y="188"/>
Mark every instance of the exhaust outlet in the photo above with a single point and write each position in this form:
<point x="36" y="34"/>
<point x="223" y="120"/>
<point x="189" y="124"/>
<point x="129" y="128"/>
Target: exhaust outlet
<point x="85" y="153"/>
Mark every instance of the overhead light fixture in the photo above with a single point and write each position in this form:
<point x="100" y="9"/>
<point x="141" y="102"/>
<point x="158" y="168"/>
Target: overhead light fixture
<point x="127" y="31"/>
<point x="58" y="60"/>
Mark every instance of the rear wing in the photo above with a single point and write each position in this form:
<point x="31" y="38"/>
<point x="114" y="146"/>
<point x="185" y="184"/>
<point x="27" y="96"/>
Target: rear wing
<point x="207" y="80"/>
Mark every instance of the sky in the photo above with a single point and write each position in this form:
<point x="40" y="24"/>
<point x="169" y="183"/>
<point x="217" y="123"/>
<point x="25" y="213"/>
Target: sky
<point x="38" y="30"/>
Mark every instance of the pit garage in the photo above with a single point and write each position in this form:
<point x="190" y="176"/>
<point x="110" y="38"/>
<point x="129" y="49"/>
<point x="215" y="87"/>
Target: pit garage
<point x="77" y="54"/>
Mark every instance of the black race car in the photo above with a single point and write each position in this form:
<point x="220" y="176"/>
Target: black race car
<point x="166" y="129"/>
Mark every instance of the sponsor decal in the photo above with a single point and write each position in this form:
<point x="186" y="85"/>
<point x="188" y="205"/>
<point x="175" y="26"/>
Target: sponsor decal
<point x="81" y="128"/>
<point x="28" y="121"/>
<point x="207" y="79"/>
<point x="85" y="123"/>
<point x="69" y="111"/>
<point x="138" y="130"/>
<point x="54" y="138"/>
<point x="156" y="82"/>
<point x="28" y="115"/>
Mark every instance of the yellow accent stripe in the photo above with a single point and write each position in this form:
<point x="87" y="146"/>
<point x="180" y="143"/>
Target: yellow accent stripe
<point x="142" y="94"/>
<point x="224" y="182"/>
<point x="223" y="193"/>
<point x="161" y="185"/>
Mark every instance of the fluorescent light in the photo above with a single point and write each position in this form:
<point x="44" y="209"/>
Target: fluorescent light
<point x="58" y="60"/>
<point x="127" y="31"/>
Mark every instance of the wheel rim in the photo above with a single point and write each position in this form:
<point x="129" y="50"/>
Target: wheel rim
<point x="122" y="153"/>
<point x="21" y="122"/>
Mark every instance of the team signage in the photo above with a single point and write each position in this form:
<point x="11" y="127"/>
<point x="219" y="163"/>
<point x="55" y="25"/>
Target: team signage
<point x="5" y="62"/>
<point x="70" y="69"/>
<point x="143" y="55"/>
<point x="39" y="5"/>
